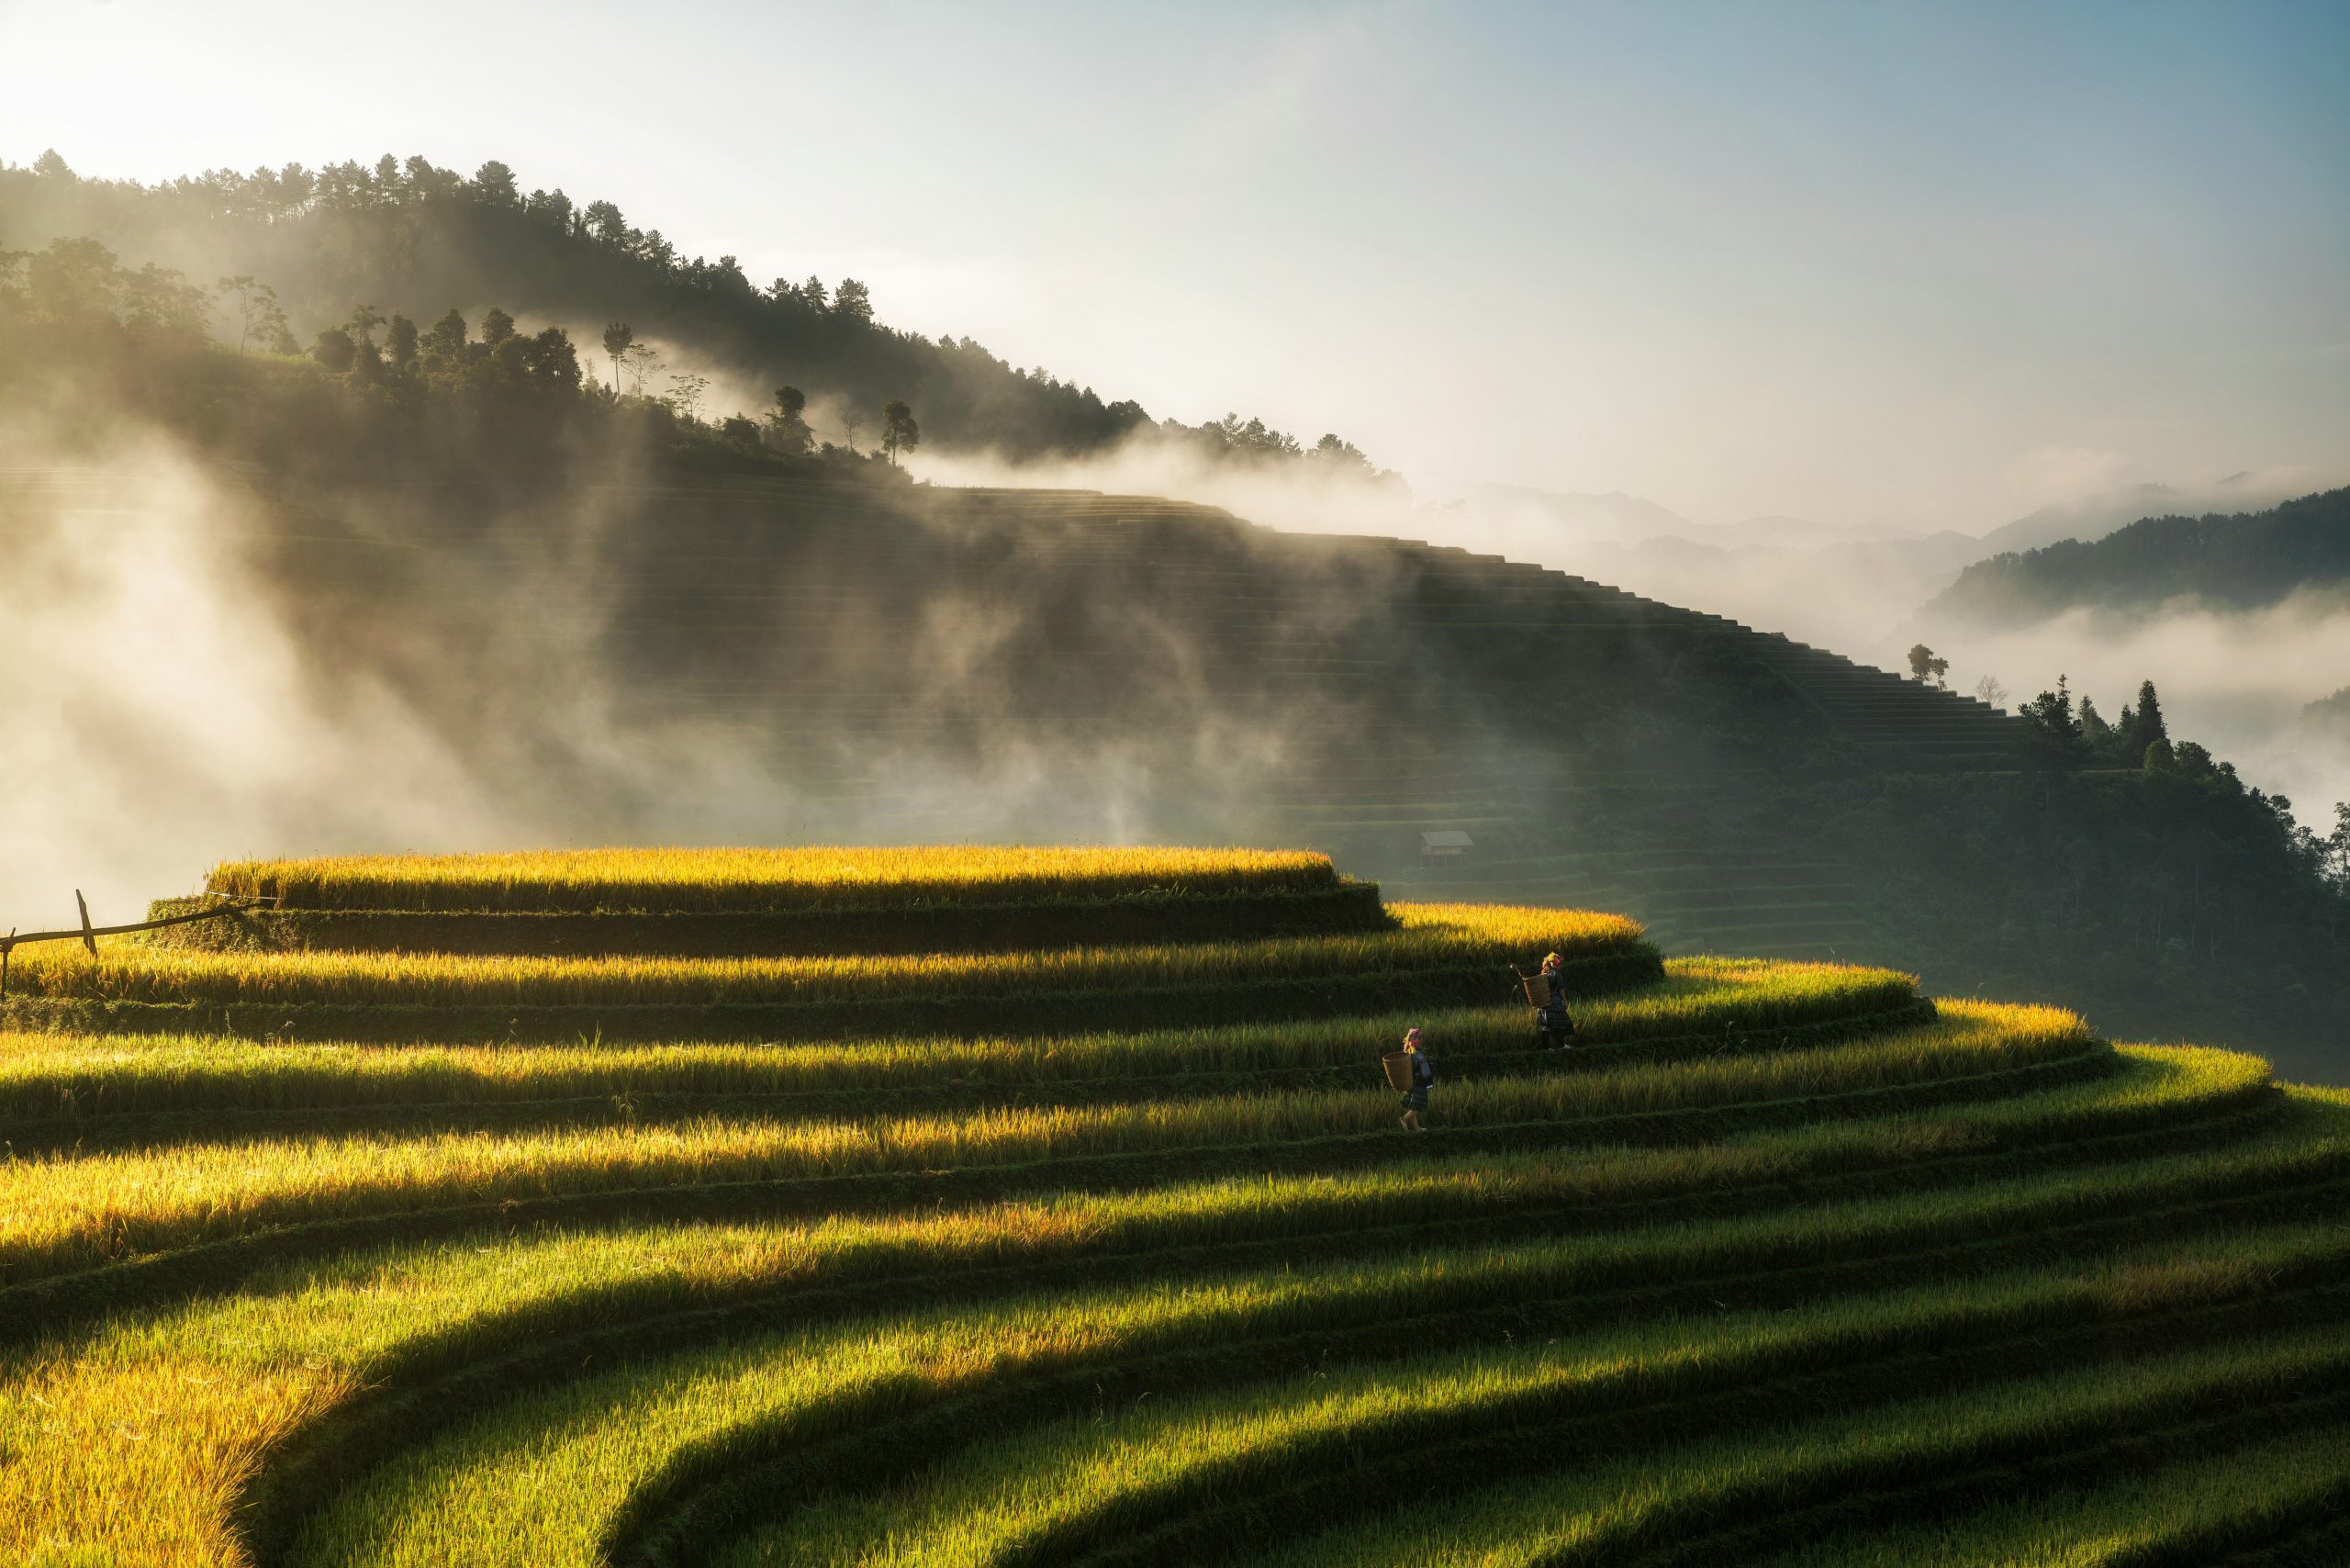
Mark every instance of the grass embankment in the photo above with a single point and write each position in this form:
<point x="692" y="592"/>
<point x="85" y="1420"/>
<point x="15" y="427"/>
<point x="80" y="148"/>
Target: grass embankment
<point x="1141" y="918"/>
<point x="627" y="1459"/>
<point x="2166" y="1099"/>
<point x="65" y="1213"/>
<point x="58" y="1091"/>
<point x="2199" y="1511"/>
<point x="210" y="1382"/>
<point x="621" y="881"/>
<point x="1112" y="1251"/>
<point x="1774" y="1488"/>
<point x="1441" y="955"/>
<point x="715" y="902"/>
<point x="1196" y="1478"/>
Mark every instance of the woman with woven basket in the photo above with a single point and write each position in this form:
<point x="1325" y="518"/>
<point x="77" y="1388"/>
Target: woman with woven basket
<point x="1409" y="1071"/>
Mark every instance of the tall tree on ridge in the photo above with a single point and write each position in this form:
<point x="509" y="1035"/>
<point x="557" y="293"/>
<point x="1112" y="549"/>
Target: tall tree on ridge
<point x="618" y="336"/>
<point x="258" y="312"/>
<point x="2146" y="724"/>
<point x="642" y="364"/>
<point x="445" y="340"/>
<point x="786" y="424"/>
<point x="399" y="341"/>
<point x="685" y="394"/>
<point x="899" y="432"/>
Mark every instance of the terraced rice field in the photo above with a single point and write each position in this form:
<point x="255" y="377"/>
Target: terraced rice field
<point x="1115" y="1252"/>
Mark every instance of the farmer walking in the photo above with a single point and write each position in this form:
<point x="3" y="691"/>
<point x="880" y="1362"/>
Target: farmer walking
<point x="1417" y="1076"/>
<point x="1550" y="1016"/>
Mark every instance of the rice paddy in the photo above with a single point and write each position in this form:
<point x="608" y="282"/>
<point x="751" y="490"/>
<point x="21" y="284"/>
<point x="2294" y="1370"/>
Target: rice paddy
<point x="670" y="880"/>
<point x="1113" y="1251"/>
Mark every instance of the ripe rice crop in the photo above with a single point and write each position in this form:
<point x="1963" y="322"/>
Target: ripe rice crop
<point x="780" y="1395"/>
<point x="945" y="1241"/>
<point x="590" y="881"/>
<point x="1439" y="955"/>
<point x="1139" y="918"/>
<point x="1696" y="1495"/>
<point x="67" y="1213"/>
<point x="212" y="1378"/>
<point x="1705" y="1004"/>
<point x="1086" y="1483"/>
<point x="2204" y="1508"/>
<point x="2180" y="1098"/>
<point x="1432" y="936"/>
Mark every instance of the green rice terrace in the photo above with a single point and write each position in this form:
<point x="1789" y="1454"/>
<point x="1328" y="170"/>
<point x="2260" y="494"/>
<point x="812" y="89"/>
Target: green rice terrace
<point x="1051" y="1207"/>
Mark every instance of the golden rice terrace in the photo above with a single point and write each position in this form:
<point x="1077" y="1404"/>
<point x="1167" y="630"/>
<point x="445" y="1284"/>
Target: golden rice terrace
<point x="994" y="1206"/>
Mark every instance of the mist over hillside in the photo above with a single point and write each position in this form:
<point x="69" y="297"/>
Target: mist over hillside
<point x="402" y="236"/>
<point x="439" y="588"/>
<point x="661" y="903"/>
<point x="2241" y="619"/>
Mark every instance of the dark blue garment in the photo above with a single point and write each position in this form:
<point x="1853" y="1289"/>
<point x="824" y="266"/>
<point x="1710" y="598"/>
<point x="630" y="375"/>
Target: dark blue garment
<point x="1553" y="1018"/>
<point x="1417" y="1098"/>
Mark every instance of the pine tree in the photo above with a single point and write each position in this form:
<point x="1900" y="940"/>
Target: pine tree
<point x="618" y="336"/>
<point x="2146" y="724"/>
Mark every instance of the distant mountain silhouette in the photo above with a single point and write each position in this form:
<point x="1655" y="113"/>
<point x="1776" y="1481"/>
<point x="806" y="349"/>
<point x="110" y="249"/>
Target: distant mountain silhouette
<point x="2092" y="517"/>
<point x="2243" y="561"/>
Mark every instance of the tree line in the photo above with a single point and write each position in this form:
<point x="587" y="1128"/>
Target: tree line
<point x="406" y="230"/>
<point x="222" y="362"/>
<point x="2067" y="732"/>
<point x="2073" y="734"/>
<point x="2240" y="561"/>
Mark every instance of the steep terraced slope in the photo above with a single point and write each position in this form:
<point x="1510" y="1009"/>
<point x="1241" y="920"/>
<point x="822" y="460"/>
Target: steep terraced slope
<point x="1784" y="1264"/>
<point x="907" y="663"/>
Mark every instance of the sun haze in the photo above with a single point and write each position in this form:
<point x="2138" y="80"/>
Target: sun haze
<point x="1918" y="267"/>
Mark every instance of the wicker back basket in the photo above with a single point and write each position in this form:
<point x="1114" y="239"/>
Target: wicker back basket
<point x="1399" y="1070"/>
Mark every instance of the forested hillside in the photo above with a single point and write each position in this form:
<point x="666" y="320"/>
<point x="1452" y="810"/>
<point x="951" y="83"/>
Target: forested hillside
<point x="407" y="238"/>
<point x="2241" y="562"/>
<point x="622" y="620"/>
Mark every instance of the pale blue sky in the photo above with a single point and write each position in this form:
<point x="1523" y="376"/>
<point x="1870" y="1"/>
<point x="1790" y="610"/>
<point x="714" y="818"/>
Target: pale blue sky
<point x="1923" y="264"/>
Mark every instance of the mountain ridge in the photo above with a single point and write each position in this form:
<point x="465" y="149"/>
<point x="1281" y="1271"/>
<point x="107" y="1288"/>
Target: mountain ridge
<point x="2235" y="563"/>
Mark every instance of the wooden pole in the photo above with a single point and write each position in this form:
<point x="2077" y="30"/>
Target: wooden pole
<point x="89" y="937"/>
<point x="216" y="910"/>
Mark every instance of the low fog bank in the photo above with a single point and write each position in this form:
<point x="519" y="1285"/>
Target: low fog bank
<point x="201" y="670"/>
<point x="158" y="717"/>
<point x="1853" y="589"/>
<point x="1290" y="496"/>
<point x="2238" y="683"/>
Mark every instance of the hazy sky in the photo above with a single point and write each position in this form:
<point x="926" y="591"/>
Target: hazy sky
<point x="1921" y="264"/>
